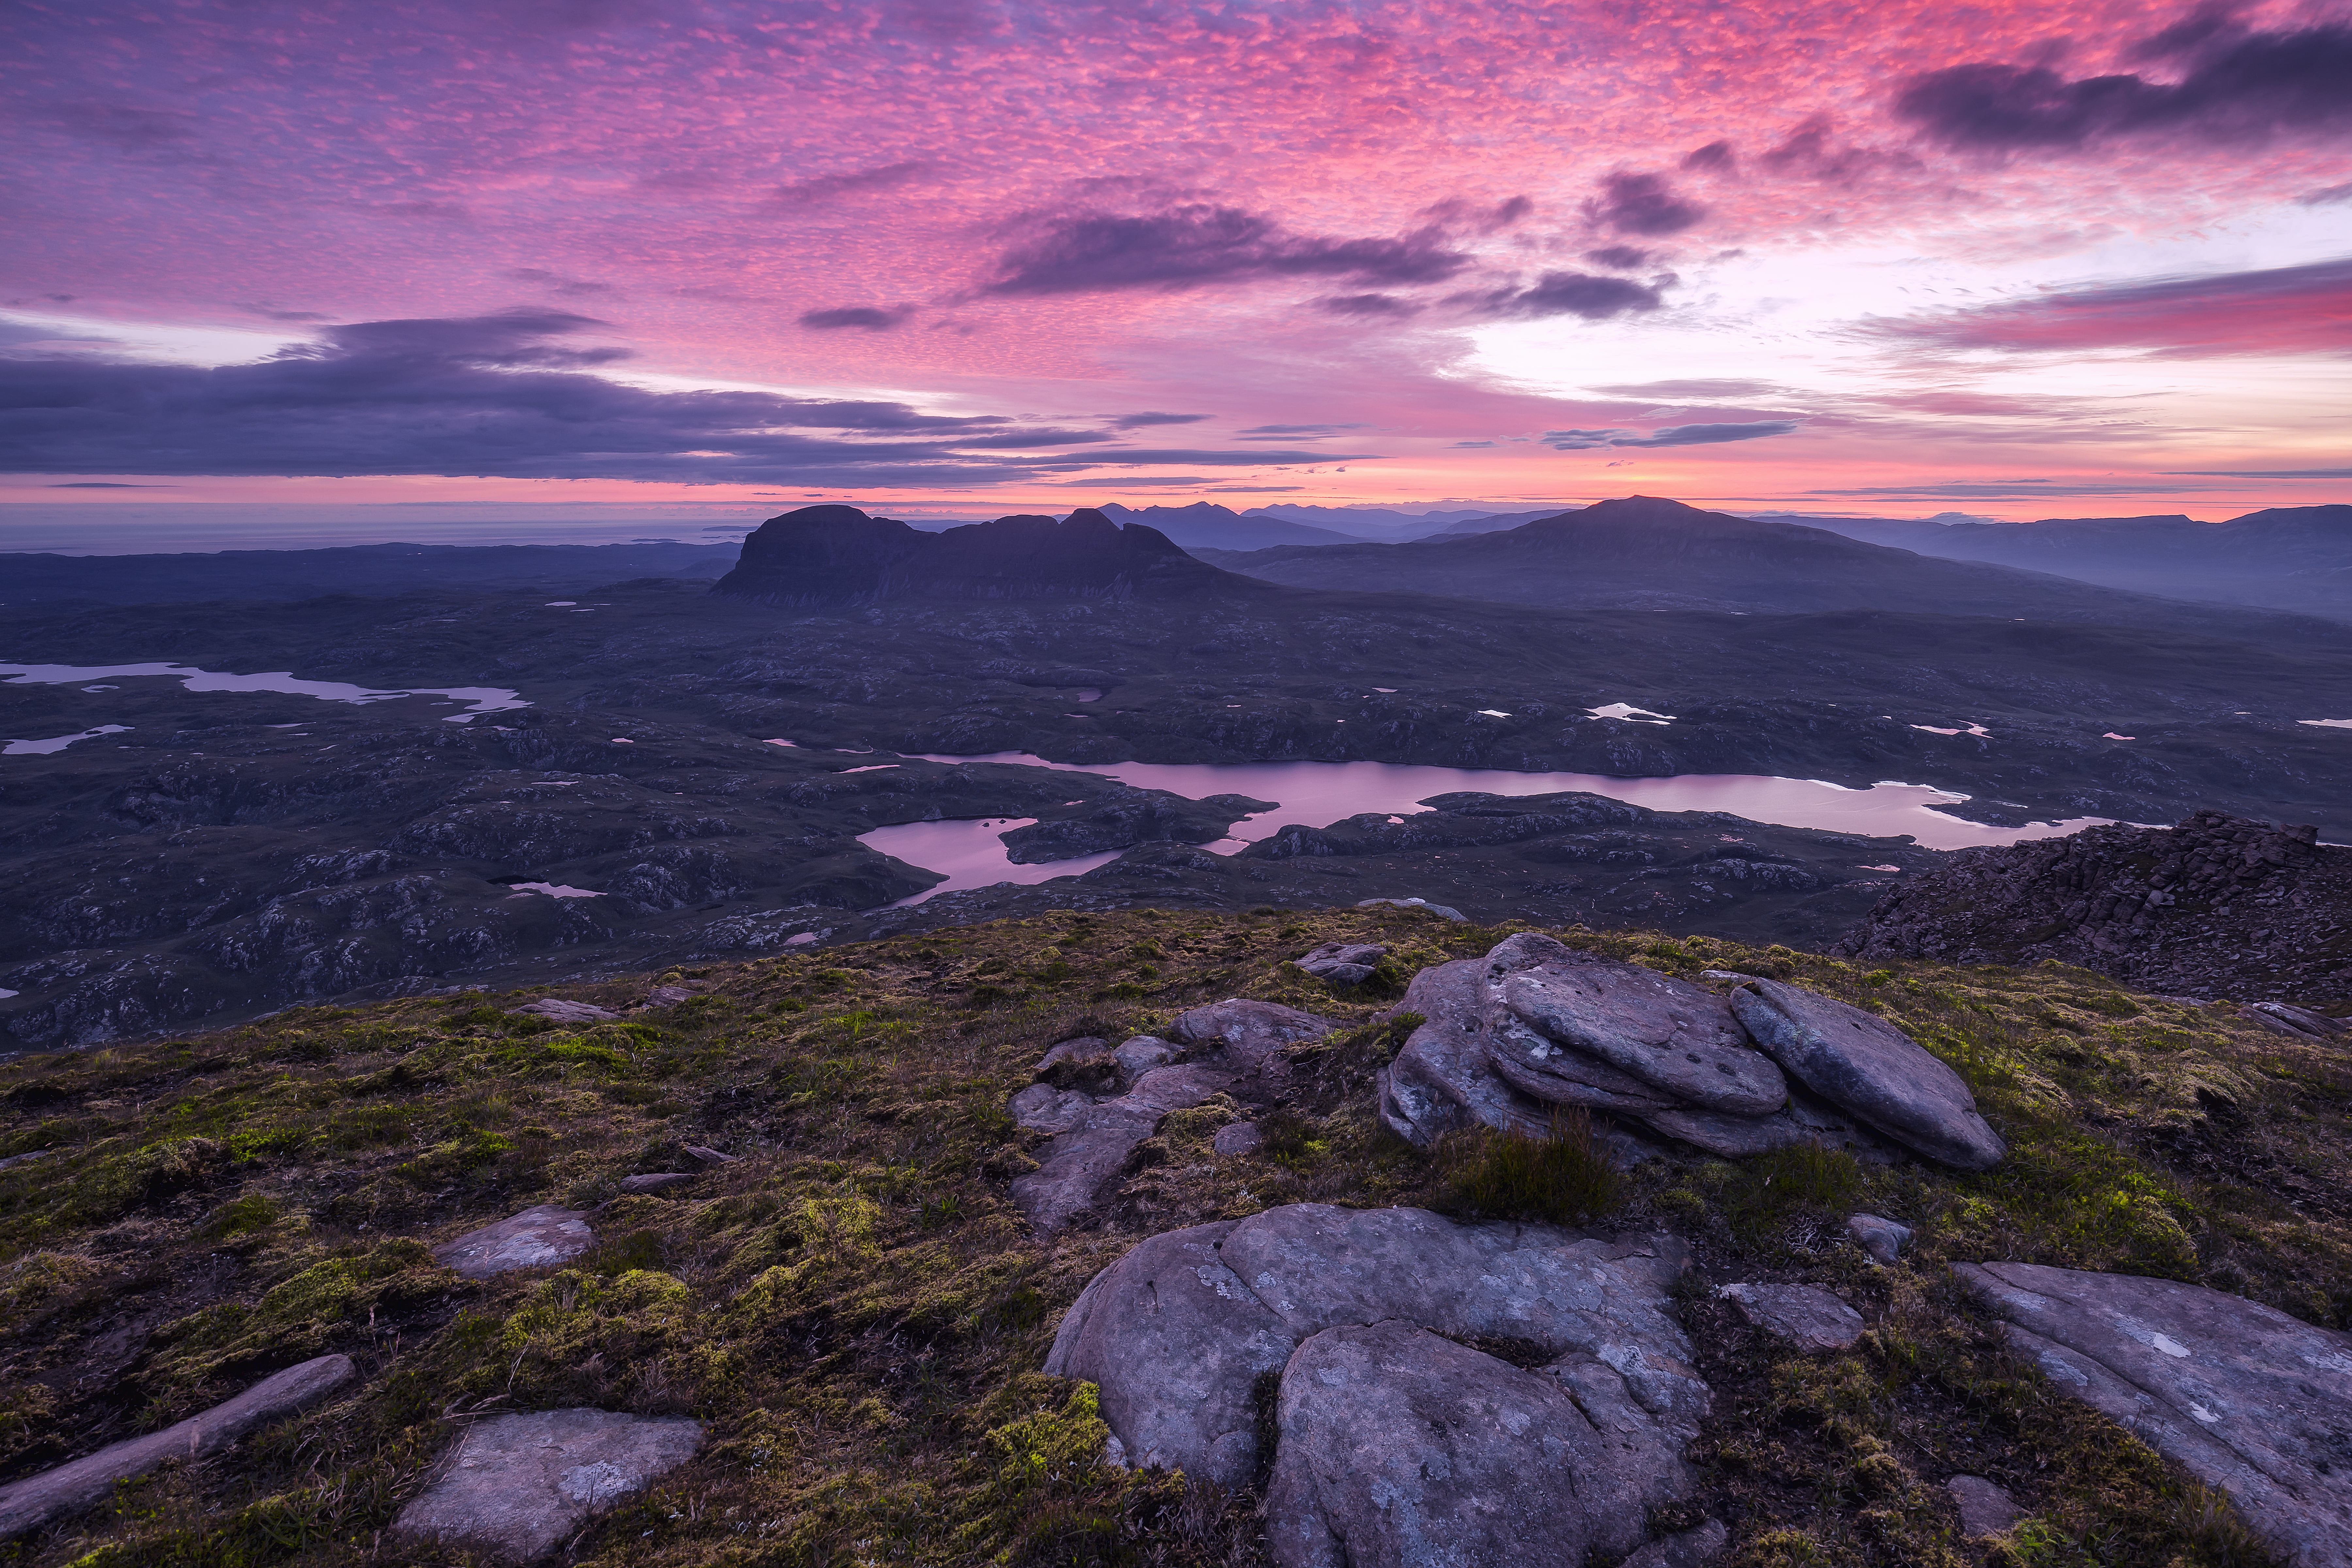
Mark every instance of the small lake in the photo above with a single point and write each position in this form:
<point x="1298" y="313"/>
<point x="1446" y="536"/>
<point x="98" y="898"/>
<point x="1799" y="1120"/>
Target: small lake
<point x="972" y="853"/>
<point x="476" y="700"/>
<point x="1318" y="794"/>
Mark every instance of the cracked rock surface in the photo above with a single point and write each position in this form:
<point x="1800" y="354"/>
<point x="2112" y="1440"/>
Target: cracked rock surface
<point x="1396" y="1443"/>
<point x="1224" y="1047"/>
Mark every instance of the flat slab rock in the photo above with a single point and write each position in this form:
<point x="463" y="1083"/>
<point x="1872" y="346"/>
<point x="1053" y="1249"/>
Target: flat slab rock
<point x="565" y="1011"/>
<point x="1177" y="1333"/>
<point x="1865" y="1065"/>
<point x="1248" y="1032"/>
<point x="1677" y="1042"/>
<point x="538" y="1237"/>
<point x="519" y="1486"/>
<point x="84" y="1483"/>
<point x="1812" y="1317"/>
<point x="2244" y="1397"/>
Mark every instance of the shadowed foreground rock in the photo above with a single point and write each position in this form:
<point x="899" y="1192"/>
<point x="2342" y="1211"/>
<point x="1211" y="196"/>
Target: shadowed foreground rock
<point x="1177" y="1334"/>
<point x="71" y="1488"/>
<point x="519" y="1486"/>
<point x="1388" y="1456"/>
<point x="2243" y="1396"/>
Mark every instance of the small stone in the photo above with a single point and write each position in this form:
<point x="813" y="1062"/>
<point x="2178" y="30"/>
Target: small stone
<point x="1094" y="1146"/>
<point x="1813" y="1318"/>
<point x="1880" y="1237"/>
<point x="25" y="1159"/>
<point x="655" y="1182"/>
<point x="519" y="1486"/>
<point x="711" y="1156"/>
<point x="538" y="1237"/>
<point x="84" y="1483"/>
<point x="1441" y="910"/>
<point x="1343" y="964"/>
<point x="565" y="1011"/>
<point x="667" y="995"/>
<point x="1985" y="1509"/>
<point x="1241" y="1138"/>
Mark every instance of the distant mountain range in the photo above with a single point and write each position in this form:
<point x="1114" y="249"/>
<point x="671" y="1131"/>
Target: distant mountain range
<point x="2289" y="558"/>
<point x="1205" y="525"/>
<point x="1647" y="553"/>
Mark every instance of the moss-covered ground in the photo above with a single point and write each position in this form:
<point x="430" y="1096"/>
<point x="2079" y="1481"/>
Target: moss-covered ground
<point x="858" y="1314"/>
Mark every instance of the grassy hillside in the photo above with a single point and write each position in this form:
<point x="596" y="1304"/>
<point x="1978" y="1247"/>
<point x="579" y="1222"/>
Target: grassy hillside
<point x="858" y="1314"/>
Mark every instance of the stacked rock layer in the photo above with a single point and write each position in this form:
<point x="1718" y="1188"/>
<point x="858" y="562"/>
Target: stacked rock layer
<point x="1536" y="1026"/>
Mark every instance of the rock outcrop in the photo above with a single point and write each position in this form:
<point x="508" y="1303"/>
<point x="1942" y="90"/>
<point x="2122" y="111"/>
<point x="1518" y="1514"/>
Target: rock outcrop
<point x="1225" y="1045"/>
<point x="2214" y="905"/>
<point x="836" y="556"/>
<point x="1538" y="1025"/>
<point x="2243" y="1396"/>
<point x="86" y="1482"/>
<point x="518" y="1487"/>
<point x="1396" y="1442"/>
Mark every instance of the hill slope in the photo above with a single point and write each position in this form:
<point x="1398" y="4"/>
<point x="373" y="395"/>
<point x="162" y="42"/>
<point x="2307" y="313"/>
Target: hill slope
<point x="2289" y="558"/>
<point x="1645" y="553"/>
<point x="856" y="1314"/>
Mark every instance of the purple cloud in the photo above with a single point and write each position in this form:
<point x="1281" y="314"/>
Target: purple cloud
<point x="1195" y="242"/>
<point x="2235" y="84"/>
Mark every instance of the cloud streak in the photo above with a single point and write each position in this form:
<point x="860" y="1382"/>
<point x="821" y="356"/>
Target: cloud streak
<point x="2275" y="310"/>
<point x="510" y="396"/>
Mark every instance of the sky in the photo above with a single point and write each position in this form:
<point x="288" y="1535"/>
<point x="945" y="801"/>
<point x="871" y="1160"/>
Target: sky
<point x="659" y="259"/>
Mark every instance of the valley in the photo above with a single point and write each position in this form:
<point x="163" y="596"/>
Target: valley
<point x="698" y="772"/>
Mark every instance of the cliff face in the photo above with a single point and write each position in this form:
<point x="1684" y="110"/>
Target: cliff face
<point x="824" y="556"/>
<point x="2217" y="906"/>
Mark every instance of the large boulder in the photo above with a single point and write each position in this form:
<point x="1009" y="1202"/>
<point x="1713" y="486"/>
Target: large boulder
<point x="518" y="1487"/>
<point x="84" y="1483"/>
<point x="2244" y="1397"/>
<point x="1176" y="1333"/>
<point x="1399" y="1447"/>
<point x="1865" y="1065"/>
